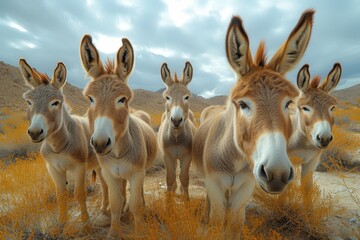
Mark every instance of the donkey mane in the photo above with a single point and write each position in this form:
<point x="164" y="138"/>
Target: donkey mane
<point x="315" y="82"/>
<point x="44" y="78"/>
<point x="260" y="57"/>
<point x="109" y="65"/>
<point x="176" y="79"/>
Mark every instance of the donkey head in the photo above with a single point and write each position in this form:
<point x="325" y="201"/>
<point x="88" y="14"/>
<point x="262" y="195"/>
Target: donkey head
<point x="316" y="106"/>
<point x="177" y="95"/>
<point x="45" y="100"/>
<point x="108" y="93"/>
<point x="260" y="101"/>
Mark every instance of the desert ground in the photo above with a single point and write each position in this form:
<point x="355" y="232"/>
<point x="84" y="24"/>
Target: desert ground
<point x="28" y="203"/>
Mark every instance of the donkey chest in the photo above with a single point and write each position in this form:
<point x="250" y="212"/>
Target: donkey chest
<point x="117" y="168"/>
<point x="60" y="162"/>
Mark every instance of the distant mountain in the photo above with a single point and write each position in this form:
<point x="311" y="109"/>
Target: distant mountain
<point x="350" y="95"/>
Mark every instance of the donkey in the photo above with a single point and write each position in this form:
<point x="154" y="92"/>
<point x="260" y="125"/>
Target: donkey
<point x="176" y="130"/>
<point x="313" y="119"/>
<point x="65" y="137"/>
<point x="125" y="145"/>
<point x="248" y="140"/>
<point x="210" y="111"/>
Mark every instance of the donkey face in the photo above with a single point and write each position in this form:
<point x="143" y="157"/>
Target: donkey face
<point x="108" y="94"/>
<point x="177" y="95"/>
<point x="260" y="100"/>
<point x="45" y="100"/>
<point x="316" y="106"/>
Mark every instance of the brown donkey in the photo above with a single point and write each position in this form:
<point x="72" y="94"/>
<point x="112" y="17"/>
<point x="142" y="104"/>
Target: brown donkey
<point x="248" y="140"/>
<point x="313" y="119"/>
<point x="176" y="130"/>
<point x="125" y="145"/>
<point x="65" y="137"/>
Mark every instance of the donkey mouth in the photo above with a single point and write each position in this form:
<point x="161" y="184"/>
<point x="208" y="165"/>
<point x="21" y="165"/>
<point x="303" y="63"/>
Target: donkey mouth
<point x="37" y="140"/>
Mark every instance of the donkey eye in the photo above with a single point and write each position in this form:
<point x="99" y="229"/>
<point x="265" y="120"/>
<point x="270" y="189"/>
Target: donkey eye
<point x="243" y="105"/>
<point x="187" y="98"/>
<point x="288" y="104"/>
<point x="122" y="100"/>
<point x="91" y="100"/>
<point x="332" y="108"/>
<point x="167" y="98"/>
<point x="55" y="104"/>
<point x="29" y="103"/>
<point x="305" y="109"/>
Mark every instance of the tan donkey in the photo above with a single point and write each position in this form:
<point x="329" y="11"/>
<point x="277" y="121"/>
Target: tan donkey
<point x="247" y="142"/>
<point x="177" y="129"/>
<point x="313" y="119"/>
<point x="65" y="137"/>
<point x="125" y="145"/>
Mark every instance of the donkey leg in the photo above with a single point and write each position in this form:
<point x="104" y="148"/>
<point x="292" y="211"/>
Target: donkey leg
<point x="170" y="165"/>
<point x="238" y="199"/>
<point x="136" y="201"/>
<point x="217" y="200"/>
<point x="105" y="193"/>
<point x="184" y="175"/>
<point x="307" y="171"/>
<point x="59" y="179"/>
<point x="80" y="191"/>
<point x="116" y="201"/>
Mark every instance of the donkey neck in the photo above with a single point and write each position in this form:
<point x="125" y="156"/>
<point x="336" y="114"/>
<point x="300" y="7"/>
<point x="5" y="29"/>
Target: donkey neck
<point x="124" y="146"/>
<point x="59" y="138"/>
<point x="298" y="139"/>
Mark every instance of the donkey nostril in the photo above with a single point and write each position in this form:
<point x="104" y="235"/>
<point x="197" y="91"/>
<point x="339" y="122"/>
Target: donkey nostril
<point x="263" y="173"/>
<point x="285" y="178"/>
<point x="180" y="120"/>
<point x="92" y="142"/>
<point x="331" y="138"/>
<point x="108" y="142"/>
<point x="28" y="131"/>
<point x="41" y="131"/>
<point x="171" y="119"/>
<point x="318" y="138"/>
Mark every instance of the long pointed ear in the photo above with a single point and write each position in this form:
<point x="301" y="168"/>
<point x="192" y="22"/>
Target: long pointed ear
<point x="166" y="75"/>
<point x="125" y="60"/>
<point x="59" y="78"/>
<point x="303" y="79"/>
<point x="332" y="78"/>
<point x="187" y="73"/>
<point x="290" y="53"/>
<point x="90" y="57"/>
<point x="32" y="79"/>
<point x="238" y="47"/>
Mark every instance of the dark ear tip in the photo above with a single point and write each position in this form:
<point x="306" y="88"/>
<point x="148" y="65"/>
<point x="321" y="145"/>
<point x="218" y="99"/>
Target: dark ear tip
<point x="87" y="37"/>
<point x="164" y="65"/>
<point x="337" y="65"/>
<point x="235" y="21"/>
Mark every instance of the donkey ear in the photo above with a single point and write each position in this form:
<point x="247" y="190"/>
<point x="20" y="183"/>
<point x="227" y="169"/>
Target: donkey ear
<point x="332" y="78"/>
<point x="290" y="53"/>
<point x="187" y="73"/>
<point x="32" y="79"/>
<point x="90" y="57"/>
<point x="166" y="75"/>
<point x="237" y="47"/>
<point x="59" y="78"/>
<point x="303" y="79"/>
<point x="125" y="60"/>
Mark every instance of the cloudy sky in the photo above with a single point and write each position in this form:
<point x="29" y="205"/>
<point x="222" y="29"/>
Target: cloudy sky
<point x="45" y="32"/>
